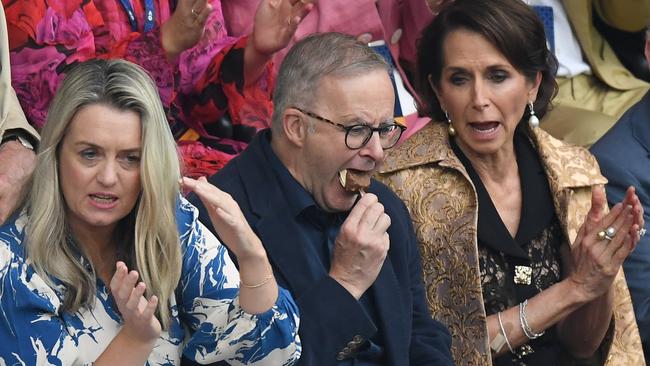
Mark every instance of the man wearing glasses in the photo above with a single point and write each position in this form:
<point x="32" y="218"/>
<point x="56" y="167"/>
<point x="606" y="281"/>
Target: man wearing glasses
<point x="350" y="259"/>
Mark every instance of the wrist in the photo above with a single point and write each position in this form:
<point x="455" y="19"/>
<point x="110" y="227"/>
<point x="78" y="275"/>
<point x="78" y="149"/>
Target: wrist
<point x="254" y="61"/>
<point x="134" y="338"/>
<point x="253" y="253"/>
<point x="168" y="42"/>
<point x="21" y="137"/>
<point x="577" y="289"/>
<point x="347" y="285"/>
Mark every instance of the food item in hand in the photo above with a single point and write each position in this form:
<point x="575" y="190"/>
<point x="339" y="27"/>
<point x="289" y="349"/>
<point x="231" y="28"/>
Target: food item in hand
<point x="354" y="181"/>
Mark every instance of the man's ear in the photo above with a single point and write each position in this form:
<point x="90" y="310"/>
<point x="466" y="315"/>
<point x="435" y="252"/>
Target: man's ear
<point x="294" y="126"/>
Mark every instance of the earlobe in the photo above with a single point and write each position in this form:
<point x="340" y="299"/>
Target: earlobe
<point x="294" y="128"/>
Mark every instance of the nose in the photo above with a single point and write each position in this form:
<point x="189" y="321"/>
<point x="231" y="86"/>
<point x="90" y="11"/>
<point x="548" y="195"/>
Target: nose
<point x="373" y="149"/>
<point x="480" y="99"/>
<point x="107" y="174"/>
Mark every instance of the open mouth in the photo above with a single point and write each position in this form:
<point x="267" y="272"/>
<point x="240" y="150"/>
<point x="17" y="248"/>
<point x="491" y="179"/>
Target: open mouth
<point x="103" y="199"/>
<point x="484" y="127"/>
<point x="353" y="180"/>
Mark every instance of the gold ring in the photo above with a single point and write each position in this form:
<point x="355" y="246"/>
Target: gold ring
<point x="607" y="234"/>
<point x="196" y="15"/>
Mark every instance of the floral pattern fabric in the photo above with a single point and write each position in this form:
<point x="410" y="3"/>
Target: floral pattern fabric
<point x="47" y="37"/>
<point x="208" y="324"/>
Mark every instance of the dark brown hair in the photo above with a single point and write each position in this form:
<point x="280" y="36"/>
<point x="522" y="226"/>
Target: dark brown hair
<point x="511" y="26"/>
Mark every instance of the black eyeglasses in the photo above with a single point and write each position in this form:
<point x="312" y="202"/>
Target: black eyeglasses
<point x="357" y="136"/>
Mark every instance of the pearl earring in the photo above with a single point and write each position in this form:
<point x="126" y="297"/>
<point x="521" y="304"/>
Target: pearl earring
<point x="450" y="128"/>
<point x="533" y="121"/>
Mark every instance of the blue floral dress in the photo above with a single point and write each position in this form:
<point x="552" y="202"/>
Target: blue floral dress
<point x="208" y="325"/>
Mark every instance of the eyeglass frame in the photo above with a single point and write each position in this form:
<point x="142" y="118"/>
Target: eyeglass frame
<point x="347" y="129"/>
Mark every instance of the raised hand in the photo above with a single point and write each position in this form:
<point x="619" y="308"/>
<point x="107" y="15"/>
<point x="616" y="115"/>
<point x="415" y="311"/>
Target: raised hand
<point x="227" y="218"/>
<point x="361" y="246"/>
<point x="140" y="323"/>
<point x="597" y="258"/>
<point x="276" y="22"/>
<point x="185" y="27"/>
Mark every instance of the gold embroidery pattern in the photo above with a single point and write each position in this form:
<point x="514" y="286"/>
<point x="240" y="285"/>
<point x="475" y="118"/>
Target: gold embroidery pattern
<point x="441" y="199"/>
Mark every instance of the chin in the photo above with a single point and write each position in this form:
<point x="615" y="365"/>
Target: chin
<point x="103" y="220"/>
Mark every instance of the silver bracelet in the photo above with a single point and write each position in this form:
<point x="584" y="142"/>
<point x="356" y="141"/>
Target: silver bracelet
<point x="524" y="322"/>
<point x="505" y="336"/>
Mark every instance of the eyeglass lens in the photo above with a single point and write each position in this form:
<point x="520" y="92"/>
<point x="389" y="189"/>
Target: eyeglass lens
<point x="358" y="136"/>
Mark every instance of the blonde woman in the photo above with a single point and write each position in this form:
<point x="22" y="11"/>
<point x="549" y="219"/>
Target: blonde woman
<point x="108" y="264"/>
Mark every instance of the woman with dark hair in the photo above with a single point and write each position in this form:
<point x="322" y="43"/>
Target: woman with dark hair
<point x="521" y="257"/>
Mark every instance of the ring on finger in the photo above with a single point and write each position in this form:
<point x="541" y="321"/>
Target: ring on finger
<point x="607" y="234"/>
<point x="642" y="231"/>
<point x="194" y="13"/>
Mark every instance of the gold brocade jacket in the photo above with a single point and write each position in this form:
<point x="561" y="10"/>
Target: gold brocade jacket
<point x="431" y="180"/>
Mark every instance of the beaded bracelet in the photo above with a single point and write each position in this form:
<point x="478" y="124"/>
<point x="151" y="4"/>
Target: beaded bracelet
<point x="524" y="322"/>
<point x="505" y="336"/>
<point x="264" y="282"/>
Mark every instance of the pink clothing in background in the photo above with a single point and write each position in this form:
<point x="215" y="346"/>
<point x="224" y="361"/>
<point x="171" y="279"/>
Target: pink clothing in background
<point x="399" y="23"/>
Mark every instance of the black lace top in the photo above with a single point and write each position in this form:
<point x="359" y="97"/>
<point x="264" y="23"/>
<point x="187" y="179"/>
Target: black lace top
<point x="534" y="250"/>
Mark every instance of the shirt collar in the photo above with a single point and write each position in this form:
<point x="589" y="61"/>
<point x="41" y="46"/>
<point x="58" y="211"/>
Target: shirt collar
<point x="297" y="197"/>
<point x="537" y="210"/>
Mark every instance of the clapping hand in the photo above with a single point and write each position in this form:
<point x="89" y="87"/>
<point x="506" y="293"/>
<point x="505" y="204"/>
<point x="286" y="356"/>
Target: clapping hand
<point x="227" y="218"/>
<point x="604" y="242"/>
<point x="185" y="27"/>
<point x="140" y="323"/>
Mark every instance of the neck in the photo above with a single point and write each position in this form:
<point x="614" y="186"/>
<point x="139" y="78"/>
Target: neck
<point x="289" y="156"/>
<point x="498" y="167"/>
<point x="98" y="245"/>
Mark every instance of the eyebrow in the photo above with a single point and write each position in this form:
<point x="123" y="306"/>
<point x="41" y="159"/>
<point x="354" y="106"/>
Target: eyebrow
<point x="90" y="144"/>
<point x="489" y="68"/>
<point x="356" y="120"/>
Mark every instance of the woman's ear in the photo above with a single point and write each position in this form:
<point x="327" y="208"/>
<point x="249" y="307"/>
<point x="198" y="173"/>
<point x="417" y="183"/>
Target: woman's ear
<point x="433" y="87"/>
<point x="532" y="93"/>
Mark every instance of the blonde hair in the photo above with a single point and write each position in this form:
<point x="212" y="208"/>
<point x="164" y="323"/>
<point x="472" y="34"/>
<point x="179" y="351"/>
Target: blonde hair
<point x="152" y="244"/>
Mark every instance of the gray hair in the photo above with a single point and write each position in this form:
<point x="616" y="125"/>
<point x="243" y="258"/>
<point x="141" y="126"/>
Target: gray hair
<point x="313" y="58"/>
<point x="150" y="237"/>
